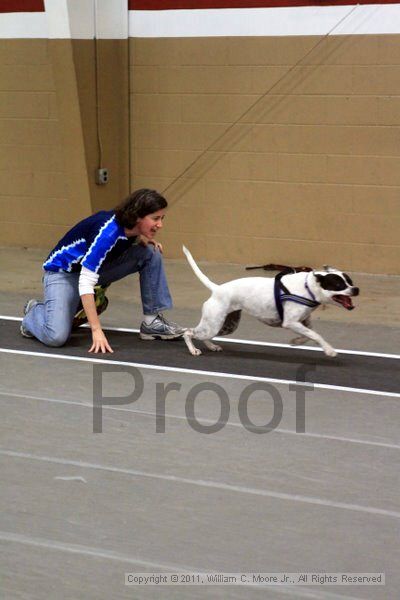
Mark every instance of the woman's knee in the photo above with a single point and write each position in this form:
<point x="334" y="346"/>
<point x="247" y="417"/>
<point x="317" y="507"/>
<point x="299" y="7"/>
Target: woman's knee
<point x="156" y="256"/>
<point x="151" y="253"/>
<point x="54" y="338"/>
<point x="150" y="258"/>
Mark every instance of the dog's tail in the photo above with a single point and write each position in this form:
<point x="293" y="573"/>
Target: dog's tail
<point x="203" y="278"/>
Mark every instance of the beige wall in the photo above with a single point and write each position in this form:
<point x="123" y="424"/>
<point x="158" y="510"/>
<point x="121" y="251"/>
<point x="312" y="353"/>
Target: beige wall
<point x="48" y="135"/>
<point x="309" y="176"/>
<point x="34" y="203"/>
<point x="111" y="117"/>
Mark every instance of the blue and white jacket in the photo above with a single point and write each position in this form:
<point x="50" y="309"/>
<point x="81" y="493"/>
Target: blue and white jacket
<point x="89" y="245"/>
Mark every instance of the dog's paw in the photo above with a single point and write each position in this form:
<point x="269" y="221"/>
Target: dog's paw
<point x="330" y="352"/>
<point x="213" y="347"/>
<point x="216" y="348"/>
<point x="195" y="352"/>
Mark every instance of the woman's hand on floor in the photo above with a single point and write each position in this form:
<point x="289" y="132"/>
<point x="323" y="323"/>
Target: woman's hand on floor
<point x="100" y="342"/>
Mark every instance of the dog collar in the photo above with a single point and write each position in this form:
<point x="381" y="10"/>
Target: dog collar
<point x="309" y="291"/>
<point x="282" y="294"/>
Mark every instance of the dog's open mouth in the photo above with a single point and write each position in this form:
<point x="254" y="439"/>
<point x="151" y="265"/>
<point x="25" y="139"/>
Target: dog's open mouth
<point x="345" y="301"/>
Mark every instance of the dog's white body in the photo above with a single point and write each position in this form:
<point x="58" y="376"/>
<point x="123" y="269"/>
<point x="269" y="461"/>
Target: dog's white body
<point x="255" y="295"/>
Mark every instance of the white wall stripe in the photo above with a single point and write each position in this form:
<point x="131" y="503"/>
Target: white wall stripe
<point x="226" y="487"/>
<point x="148" y="413"/>
<point x="112" y="19"/>
<point x="64" y="19"/>
<point x="58" y="25"/>
<point x="23" y="25"/>
<point x="86" y="19"/>
<point x="321" y="386"/>
<point x="305" y="20"/>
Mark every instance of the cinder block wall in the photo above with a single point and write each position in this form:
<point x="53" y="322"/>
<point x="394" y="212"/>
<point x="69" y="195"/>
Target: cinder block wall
<point x="309" y="175"/>
<point x="34" y="203"/>
<point x="60" y="116"/>
<point x="271" y="147"/>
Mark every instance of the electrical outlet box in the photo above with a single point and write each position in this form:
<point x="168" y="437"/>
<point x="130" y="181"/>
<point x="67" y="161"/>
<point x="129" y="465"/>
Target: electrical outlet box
<point x="101" y="176"/>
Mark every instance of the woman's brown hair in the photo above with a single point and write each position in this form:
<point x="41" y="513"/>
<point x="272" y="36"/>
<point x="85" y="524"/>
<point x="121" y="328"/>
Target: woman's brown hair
<point x="139" y="204"/>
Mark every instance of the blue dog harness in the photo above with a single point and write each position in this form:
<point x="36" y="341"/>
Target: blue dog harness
<point x="282" y="295"/>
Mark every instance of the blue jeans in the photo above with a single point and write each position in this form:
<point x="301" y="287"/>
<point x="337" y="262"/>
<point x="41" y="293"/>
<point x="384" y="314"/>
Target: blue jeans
<point x="50" y="321"/>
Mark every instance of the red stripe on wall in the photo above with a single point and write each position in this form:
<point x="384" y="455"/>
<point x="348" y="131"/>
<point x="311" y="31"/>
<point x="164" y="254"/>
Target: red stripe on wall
<point x="21" y="6"/>
<point x="182" y="4"/>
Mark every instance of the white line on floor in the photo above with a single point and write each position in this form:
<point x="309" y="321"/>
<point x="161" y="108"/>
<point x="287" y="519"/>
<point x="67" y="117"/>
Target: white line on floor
<point x="252" y="342"/>
<point x="321" y="386"/>
<point x="277" y="345"/>
<point x="17" y="538"/>
<point x="79" y="549"/>
<point x="147" y="413"/>
<point x="208" y="484"/>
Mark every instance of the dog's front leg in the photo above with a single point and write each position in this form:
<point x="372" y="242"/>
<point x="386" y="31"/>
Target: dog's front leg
<point x="302" y="339"/>
<point x="306" y="332"/>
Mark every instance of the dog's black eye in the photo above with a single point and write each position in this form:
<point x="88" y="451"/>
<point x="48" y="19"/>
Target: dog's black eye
<point x="333" y="283"/>
<point x="348" y="280"/>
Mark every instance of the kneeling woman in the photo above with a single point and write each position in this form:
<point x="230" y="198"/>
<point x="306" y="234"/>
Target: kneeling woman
<point x="99" y="250"/>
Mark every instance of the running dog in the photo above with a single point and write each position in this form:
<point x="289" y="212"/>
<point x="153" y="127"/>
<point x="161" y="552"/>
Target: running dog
<point x="286" y="300"/>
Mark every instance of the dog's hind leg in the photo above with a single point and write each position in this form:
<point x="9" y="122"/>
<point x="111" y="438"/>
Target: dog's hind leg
<point x="187" y="336"/>
<point x="229" y="325"/>
<point x="212" y="319"/>
<point x="213" y="347"/>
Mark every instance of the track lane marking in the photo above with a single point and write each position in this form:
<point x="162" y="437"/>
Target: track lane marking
<point x="226" y="487"/>
<point x="321" y="386"/>
<point x="147" y="413"/>
<point x="11" y="537"/>
<point x="251" y="342"/>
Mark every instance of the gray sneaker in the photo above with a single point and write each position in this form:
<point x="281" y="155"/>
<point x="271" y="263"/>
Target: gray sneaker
<point x="160" y="329"/>
<point x="23" y="330"/>
<point x="30" y="304"/>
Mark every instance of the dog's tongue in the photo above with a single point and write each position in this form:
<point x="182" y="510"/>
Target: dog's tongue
<point x="348" y="303"/>
<point x="345" y="301"/>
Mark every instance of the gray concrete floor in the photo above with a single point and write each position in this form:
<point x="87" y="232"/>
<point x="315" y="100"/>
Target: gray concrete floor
<point x="232" y="501"/>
